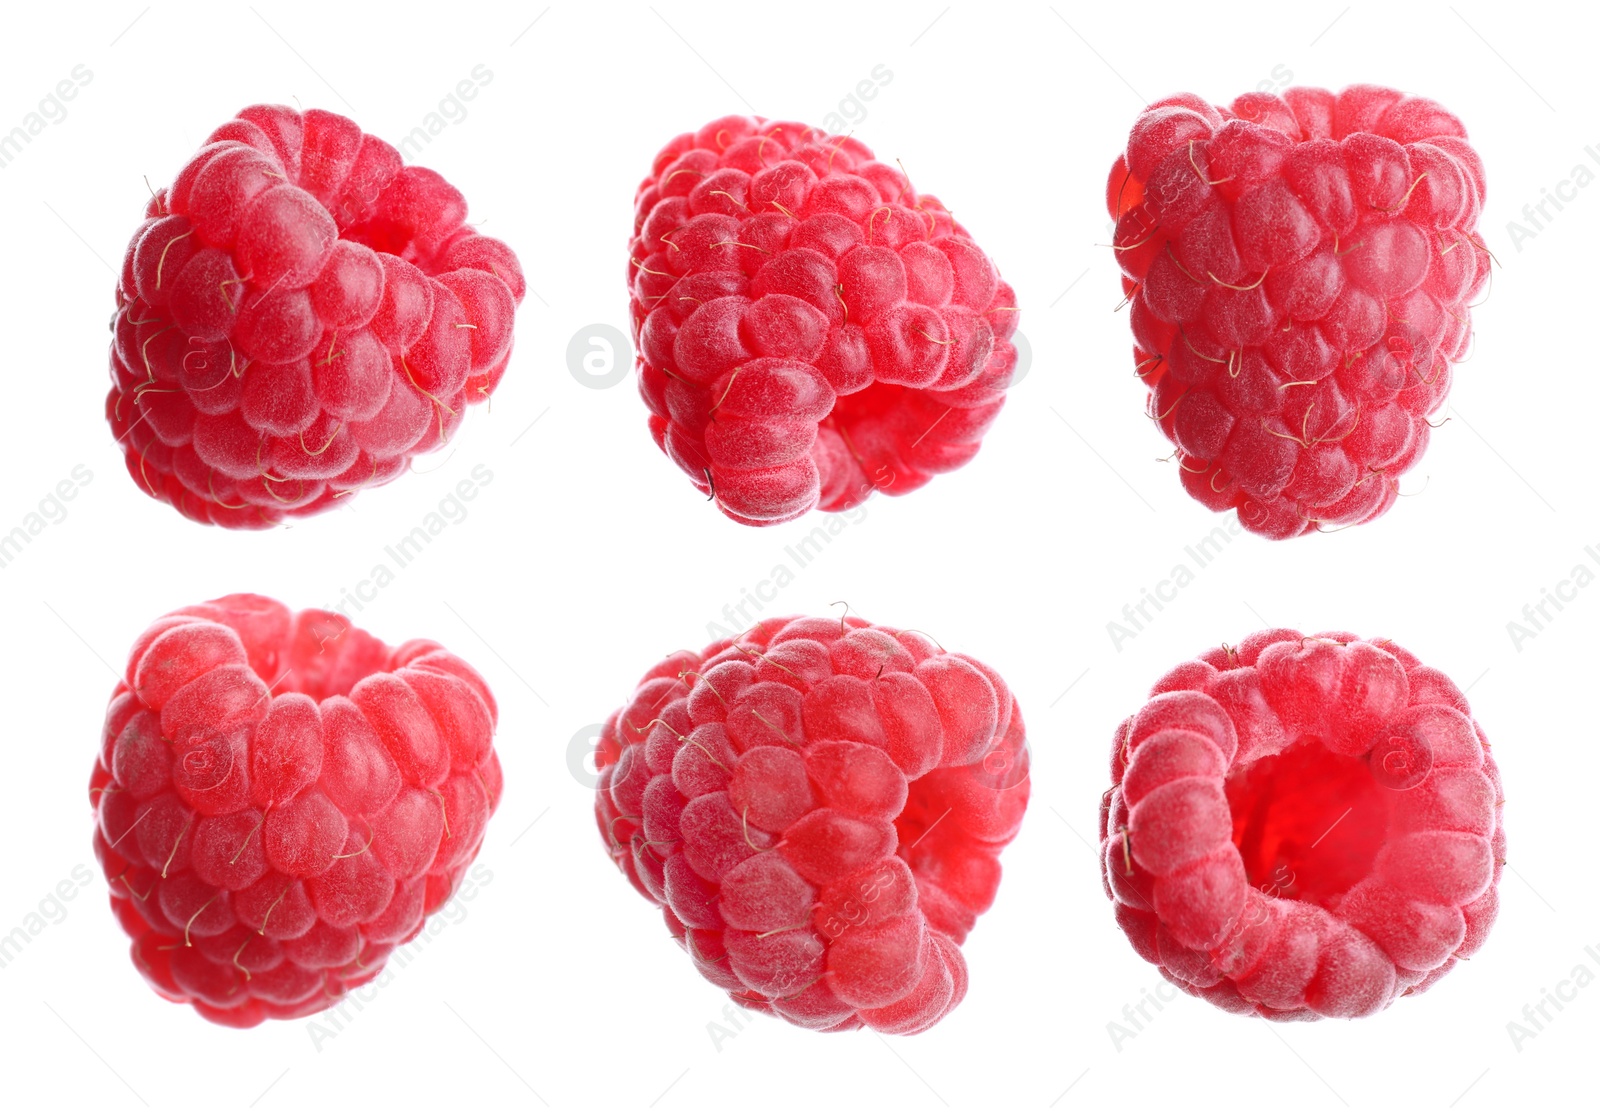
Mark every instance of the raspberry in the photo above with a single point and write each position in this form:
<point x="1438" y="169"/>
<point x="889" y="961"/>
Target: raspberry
<point x="818" y="807"/>
<point x="267" y="852"/>
<point x="1303" y="827"/>
<point x="1299" y="269"/>
<point x="809" y="328"/>
<point x="297" y="317"/>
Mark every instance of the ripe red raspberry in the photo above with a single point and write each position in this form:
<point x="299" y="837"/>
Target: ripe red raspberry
<point x="298" y="316"/>
<point x="1299" y="269"/>
<point x="818" y="807"/>
<point x="809" y="328"/>
<point x="1303" y="827"/>
<point x="267" y="852"/>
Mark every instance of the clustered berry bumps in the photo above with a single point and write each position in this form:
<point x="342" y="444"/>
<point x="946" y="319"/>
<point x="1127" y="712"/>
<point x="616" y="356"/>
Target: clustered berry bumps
<point x="297" y="317"/>
<point x="810" y="329"/>
<point x="1298" y="827"/>
<point x="1298" y="269"/>
<point x="1303" y="827"/>
<point x="818" y="807"/>
<point x="282" y="799"/>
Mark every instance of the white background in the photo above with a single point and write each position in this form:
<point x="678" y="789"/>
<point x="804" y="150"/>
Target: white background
<point x="589" y="556"/>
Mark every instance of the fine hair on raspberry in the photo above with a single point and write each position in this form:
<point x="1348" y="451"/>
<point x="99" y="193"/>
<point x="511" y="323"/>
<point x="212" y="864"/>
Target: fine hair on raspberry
<point x="299" y="316"/>
<point x="1298" y="269"/>
<point x="809" y="328"/>
<point x="281" y="799"/>
<point x="1303" y="827"/>
<point x="818" y="807"/>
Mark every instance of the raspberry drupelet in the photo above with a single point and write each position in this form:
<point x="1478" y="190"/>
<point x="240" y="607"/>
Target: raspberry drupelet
<point x="281" y="800"/>
<point x="298" y="316"/>
<point x="818" y="807"/>
<point x="1298" y="269"/>
<point x="809" y="328"/>
<point x="1303" y="827"/>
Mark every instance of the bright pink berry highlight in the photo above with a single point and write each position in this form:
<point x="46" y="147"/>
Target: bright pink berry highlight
<point x="1303" y="827"/>
<point x="282" y="799"/>
<point x="810" y="329"/>
<point x="818" y="807"/>
<point x="298" y="316"/>
<point x="1299" y="269"/>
